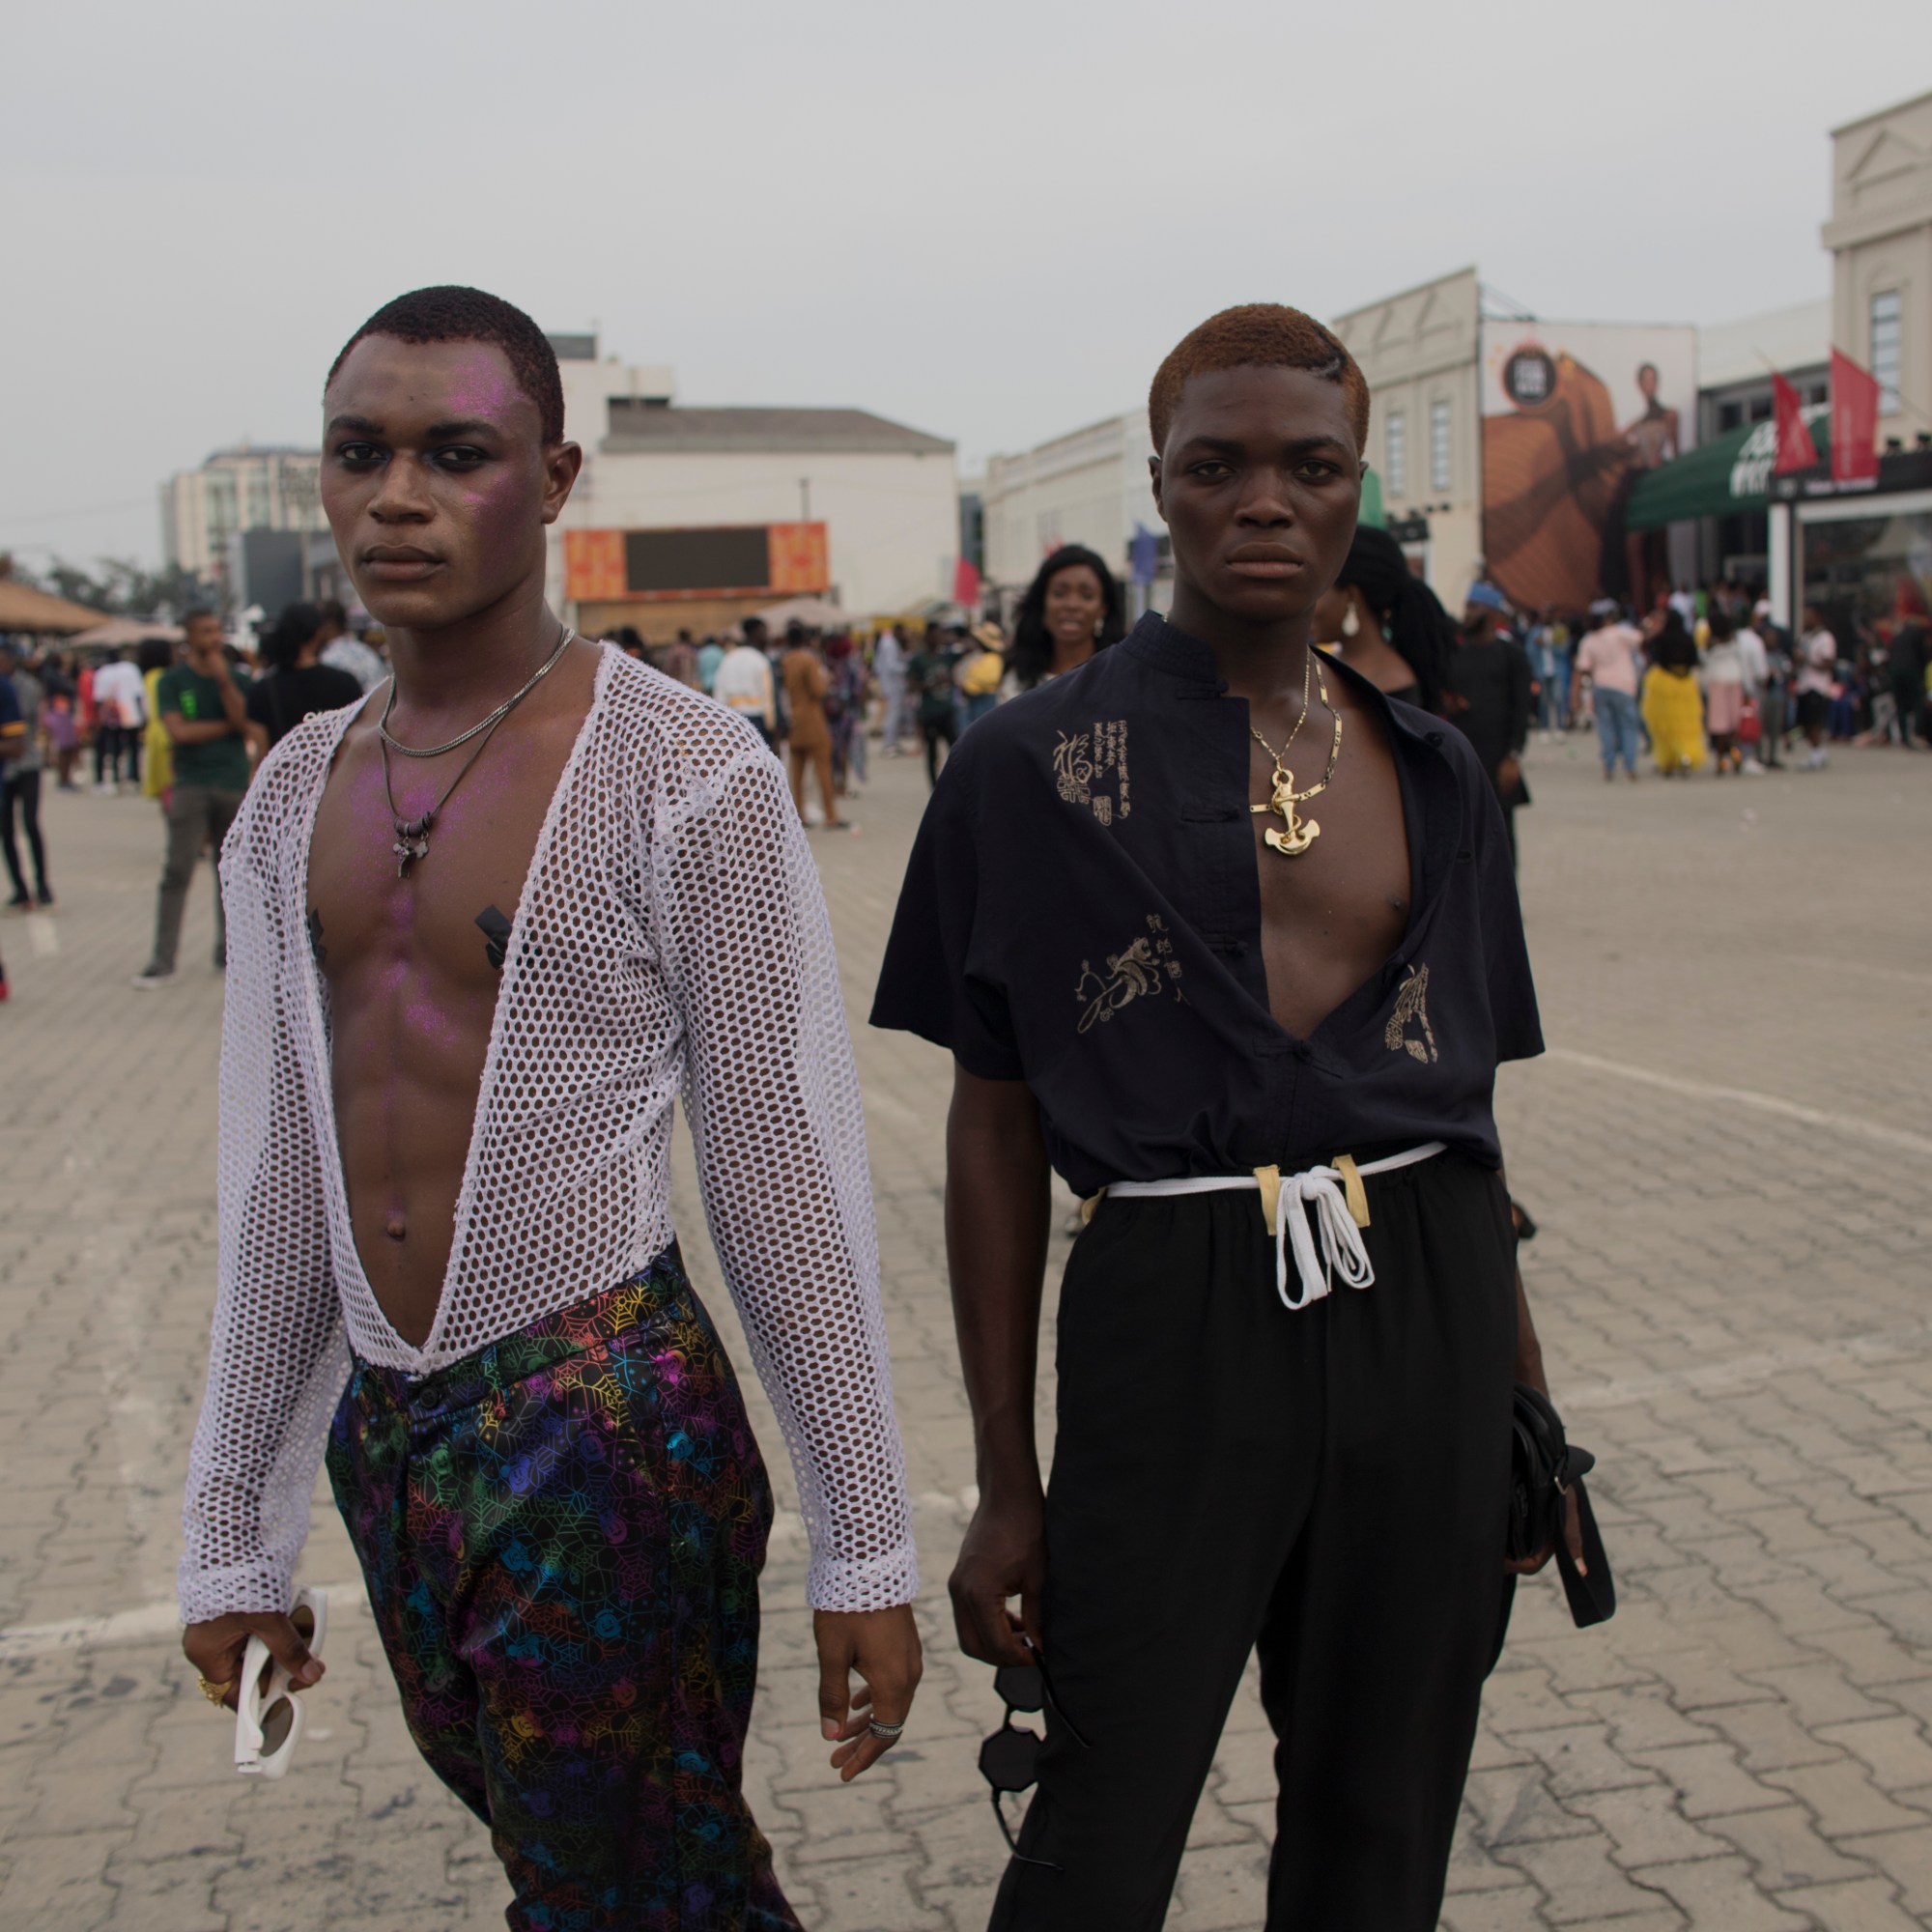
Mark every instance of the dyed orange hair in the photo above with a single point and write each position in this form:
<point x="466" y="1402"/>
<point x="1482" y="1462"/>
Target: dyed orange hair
<point x="1258" y="334"/>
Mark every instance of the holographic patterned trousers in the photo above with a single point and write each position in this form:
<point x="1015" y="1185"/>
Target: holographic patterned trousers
<point x="561" y="1536"/>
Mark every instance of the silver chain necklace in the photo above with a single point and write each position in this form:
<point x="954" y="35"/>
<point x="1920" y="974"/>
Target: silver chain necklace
<point x="497" y="717"/>
<point x="412" y="834"/>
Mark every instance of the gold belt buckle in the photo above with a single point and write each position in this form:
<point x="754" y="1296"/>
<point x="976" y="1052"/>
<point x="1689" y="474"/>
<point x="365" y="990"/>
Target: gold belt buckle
<point x="1357" y="1195"/>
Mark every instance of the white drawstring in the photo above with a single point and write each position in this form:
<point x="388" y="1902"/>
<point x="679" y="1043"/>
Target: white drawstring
<point x="1343" y="1251"/>
<point x="1319" y="1191"/>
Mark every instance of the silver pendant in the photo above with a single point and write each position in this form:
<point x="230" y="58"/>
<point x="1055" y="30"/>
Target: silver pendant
<point x="411" y="842"/>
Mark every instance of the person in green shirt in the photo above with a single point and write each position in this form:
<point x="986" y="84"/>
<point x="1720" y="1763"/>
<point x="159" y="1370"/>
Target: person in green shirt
<point x="204" y="711"/>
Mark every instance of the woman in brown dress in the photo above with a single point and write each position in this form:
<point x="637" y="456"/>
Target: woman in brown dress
<point x="806" y="683"/>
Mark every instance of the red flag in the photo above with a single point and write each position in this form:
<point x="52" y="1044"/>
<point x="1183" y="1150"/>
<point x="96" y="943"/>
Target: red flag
<point x="1854" y="421"/>
<point x="1795" y="448"/>
<point x="966" y="584"/>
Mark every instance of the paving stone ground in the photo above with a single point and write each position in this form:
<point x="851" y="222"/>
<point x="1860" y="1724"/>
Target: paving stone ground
<point x="1728" y="1150"/>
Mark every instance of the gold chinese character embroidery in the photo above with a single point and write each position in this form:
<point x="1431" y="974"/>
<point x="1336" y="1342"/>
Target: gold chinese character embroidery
<point x="1073" y="769"/>
<point x="1139" y="973"/>
<point x="1411" y="1008"/>
<point x="1089" y="768"/>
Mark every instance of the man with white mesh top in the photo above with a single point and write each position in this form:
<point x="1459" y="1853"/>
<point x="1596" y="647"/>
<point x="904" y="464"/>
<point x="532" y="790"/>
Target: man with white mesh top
<point x="483" y="929"/>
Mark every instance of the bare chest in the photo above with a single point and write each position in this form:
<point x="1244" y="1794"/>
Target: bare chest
<point x="435" y="922"/>
<point x="1335" y="881"/>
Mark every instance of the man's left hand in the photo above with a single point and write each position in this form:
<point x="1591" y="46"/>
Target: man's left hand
<point x="1509" y="777"/>
<point x="1573" y="1537"/>
<point x="882" y="1648"/>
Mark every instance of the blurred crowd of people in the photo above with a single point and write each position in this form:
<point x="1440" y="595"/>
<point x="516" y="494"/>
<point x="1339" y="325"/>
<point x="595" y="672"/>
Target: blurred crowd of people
<point x="1709" y="677"/>
<point x="1705" y="678"/>
<point x="816" y="695"/>
<point x="154" y="718"/>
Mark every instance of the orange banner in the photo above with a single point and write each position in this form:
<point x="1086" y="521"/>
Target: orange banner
<point x="597" y="564"/>
<point x="593" y="565"/>
<point x="799" y="559"/>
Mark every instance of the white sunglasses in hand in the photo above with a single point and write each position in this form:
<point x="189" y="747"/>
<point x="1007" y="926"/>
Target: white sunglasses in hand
<point x="268" y="1713"/>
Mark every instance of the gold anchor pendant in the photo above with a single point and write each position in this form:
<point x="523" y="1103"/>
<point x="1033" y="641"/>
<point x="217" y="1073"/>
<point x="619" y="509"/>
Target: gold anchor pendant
<point x="1297" y="833"/>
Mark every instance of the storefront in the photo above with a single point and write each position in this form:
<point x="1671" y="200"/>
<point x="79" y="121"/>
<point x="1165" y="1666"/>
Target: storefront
<point x="1851" y="546"/>
<point x="1726" y="486"/>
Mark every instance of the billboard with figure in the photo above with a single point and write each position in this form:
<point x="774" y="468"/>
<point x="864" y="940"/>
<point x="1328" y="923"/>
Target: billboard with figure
<point x="1573" y="414"/>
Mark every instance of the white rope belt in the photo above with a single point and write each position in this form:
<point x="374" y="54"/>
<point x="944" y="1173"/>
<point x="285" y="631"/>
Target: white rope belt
<point x="1333" y="1195"/>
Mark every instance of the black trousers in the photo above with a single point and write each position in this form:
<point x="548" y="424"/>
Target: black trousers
<point x="1326" y="1486"/>
<point x="117" y="752"/>
<point x="21" y="796"/>
<point x="936" y="732"/>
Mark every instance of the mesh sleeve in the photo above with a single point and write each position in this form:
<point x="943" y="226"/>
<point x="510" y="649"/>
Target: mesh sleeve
<point x="276" y="1360"/>
<point x="772" y="1099"/>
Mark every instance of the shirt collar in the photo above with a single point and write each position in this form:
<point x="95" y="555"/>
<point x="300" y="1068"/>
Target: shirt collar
<point x="1157" y="643"/>
<point x="1433" y="804"/>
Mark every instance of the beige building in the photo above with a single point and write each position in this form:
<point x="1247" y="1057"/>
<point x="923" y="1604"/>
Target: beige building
<point x="1880" y="235"/>
<point x="1089" y="488"/>
<point x="203" y="511"/>
<point x="1420" y="352"/>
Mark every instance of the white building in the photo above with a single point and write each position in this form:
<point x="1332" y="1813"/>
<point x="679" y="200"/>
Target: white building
<point x="235" y="490"/>
<point x="1089" y="488"/>
<point x="1735" y="360"/>
<point x="691" y="518"/>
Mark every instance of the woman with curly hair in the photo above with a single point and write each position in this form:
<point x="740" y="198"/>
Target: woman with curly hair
<point x="1072" y="609"/>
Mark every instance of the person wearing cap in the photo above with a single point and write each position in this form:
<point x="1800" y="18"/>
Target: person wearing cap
<point x="1489" y="695"/>
<point x="980" y="673"/>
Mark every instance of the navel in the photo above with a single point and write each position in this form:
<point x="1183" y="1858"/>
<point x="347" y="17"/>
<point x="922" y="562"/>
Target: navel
<point x="396" y="1228"/>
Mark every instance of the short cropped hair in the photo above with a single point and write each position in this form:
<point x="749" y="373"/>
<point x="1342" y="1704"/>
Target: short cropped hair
<point x="1258" y="334"/>
<point x="451" y="313"/>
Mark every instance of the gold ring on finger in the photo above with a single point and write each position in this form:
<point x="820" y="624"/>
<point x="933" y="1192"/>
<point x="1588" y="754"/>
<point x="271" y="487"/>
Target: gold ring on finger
<point x="215" y="1694"/>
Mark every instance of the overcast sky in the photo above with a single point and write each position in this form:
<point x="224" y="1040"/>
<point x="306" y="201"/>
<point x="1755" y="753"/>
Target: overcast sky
<point x="989" y="221"/>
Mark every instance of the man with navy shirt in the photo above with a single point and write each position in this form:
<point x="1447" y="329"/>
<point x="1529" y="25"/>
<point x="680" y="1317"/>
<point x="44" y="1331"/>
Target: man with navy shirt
<point x="1232" y="941"/>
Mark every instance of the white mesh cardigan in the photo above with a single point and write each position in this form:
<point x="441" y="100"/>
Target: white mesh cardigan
<point x="671" y="936"/>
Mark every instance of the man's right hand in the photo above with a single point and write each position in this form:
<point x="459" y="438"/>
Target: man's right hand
<point x="1004" y="1556"/>
<point x="215" y="1649"/>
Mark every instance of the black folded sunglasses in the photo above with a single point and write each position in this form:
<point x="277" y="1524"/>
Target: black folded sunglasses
<point x="1009" y="1759"/>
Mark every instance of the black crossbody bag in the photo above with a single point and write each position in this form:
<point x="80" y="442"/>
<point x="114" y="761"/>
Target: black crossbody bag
<point x="1545" y="1467"/>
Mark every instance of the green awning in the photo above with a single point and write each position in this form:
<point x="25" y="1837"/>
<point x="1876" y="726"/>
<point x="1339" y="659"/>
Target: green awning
<point x="1723" y="478"/>
<point x="1371" y="514"/>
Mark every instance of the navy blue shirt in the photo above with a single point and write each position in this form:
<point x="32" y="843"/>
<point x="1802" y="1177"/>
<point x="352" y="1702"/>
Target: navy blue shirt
<point x="1081" y="912"/>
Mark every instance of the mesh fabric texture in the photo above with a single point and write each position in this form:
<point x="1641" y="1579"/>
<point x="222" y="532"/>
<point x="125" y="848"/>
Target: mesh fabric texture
<point x="671" y="938"/>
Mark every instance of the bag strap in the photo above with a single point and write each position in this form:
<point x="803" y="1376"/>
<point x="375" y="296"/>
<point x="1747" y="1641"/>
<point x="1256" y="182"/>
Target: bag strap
<point x="1593" y="1599"/>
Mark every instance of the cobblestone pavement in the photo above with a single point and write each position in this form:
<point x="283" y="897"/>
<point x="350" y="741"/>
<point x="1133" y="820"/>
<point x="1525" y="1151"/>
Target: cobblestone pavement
<point x="1728" y="1149"/>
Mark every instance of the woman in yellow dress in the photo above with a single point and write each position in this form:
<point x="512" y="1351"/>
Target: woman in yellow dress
<point x="1673" y="705"/>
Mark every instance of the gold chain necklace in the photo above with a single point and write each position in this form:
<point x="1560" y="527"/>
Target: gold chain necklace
<point x="1296" y="833"/>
